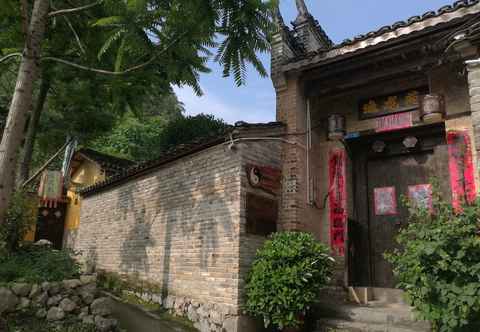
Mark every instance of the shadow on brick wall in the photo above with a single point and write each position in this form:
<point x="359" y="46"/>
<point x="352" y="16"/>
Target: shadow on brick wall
<point x="177" y="224"/>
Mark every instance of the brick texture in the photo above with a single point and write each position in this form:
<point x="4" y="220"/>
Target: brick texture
<point x="474" y="90"/>
<point x="181" y="227"/>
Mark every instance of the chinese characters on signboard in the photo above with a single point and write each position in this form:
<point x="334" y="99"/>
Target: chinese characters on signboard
<point x="394" y="122"/>
<point x="385" y="201"/>
<point x="338" y="200"/>
<point x="387" y="105"/>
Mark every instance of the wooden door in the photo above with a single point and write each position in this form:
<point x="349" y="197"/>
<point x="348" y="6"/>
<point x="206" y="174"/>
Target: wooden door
<point x="390" y="180"/>
<point x="50" y="226"/>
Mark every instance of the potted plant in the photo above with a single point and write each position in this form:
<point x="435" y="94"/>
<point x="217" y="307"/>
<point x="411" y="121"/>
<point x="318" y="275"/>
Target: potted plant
<point x="286" y="277"/>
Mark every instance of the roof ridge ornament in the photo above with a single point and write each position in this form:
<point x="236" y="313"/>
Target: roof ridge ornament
<point x="302" y="8"/>
<point x="277" y="17"/>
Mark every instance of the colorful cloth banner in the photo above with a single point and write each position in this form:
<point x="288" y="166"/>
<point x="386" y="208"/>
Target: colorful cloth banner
<point x="51" y="188"/>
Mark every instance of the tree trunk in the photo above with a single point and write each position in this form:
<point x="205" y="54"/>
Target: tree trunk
<point x="21" y="103"/>
<point x="32" y="131"/>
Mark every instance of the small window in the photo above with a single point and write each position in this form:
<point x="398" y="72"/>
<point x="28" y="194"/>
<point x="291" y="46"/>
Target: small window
<point x="262" y="214"/>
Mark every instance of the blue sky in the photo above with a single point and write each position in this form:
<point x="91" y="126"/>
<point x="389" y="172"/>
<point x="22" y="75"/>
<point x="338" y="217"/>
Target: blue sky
<point x="341" y="19"/>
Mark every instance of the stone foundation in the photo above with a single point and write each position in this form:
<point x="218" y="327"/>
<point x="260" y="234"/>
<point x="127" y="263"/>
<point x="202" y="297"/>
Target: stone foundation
<point x="206" y="317"/>
<point x="59" y="302"/>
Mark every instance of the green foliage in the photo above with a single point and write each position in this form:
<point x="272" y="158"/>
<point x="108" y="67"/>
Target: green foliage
<point x="116" y="283"/>
<point x="286" y="277"/>
<point x="20" y="218"/>
<point x="438" y="265"/>
<point x="37" y="264"/>
<point x="147" y="138"/>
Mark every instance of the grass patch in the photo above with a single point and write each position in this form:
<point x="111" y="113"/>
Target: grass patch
<point x="37" y="264"/>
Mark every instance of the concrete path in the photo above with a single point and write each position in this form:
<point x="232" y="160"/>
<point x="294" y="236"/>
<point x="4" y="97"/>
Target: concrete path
<point x="135" y="319"/>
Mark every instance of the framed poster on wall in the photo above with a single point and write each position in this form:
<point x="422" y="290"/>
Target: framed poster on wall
<point x="385" y="201"/>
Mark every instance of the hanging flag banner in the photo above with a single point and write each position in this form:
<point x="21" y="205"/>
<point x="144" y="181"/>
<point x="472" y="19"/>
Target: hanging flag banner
<point x="337" y="200"/>
<point x="51" y="188"/>
<point x="462" y="172"/>
<point x="385" y="200"/>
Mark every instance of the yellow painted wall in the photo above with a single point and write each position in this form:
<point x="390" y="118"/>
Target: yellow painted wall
<point x="33" y="205"/>
<point x="88" y="173"/>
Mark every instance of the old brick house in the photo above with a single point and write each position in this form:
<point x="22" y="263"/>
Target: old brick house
<point x="360" y="124"/>
<point x="380" y="115"/>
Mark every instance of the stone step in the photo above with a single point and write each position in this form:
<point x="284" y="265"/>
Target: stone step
<point x="389" y="295"/>
<point x="339" y="325"/>
<point x="392" y="315"/>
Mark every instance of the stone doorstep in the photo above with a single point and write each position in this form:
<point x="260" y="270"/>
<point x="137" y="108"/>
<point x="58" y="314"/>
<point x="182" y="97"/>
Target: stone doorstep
<point x="397" y="315"/>
<point x="337" y="325"/>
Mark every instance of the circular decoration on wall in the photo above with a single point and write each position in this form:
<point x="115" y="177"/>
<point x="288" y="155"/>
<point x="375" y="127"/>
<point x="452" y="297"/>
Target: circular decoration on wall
<point x="44" y="213"/>
<point x="379" y="146"/>
<point x="58" y="214"/>
<point x="254" y="176"/>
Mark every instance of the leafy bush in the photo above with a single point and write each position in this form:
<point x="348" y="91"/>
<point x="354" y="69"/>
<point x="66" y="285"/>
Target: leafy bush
<point x="286" y="277"/>
<point x="36" y="264"/>
<point x="19" y="220"/>
<point x="438" y="265"/>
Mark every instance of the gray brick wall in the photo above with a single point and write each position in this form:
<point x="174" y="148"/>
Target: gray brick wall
<point x="182" y="226"/>
<point x="262" y="154"/>
<point x="474" y="90"/>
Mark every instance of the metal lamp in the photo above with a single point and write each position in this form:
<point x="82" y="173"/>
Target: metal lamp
<point x="336" y="127"/>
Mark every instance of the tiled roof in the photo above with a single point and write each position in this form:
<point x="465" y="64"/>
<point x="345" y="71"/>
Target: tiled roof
<point x="409" y="22"/>
<point x="460" y="10"/>
<point x="108" y="162"/>
<point x="176" y="153"/>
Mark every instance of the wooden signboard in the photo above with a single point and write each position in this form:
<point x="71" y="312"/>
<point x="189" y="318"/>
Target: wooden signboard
<point x="396" y="103"/>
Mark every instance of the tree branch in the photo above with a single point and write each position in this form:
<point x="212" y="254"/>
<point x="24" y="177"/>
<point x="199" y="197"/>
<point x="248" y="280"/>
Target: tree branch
<point x="8" y="56"/>
<point x="82" y="49"/>
<point x="25" y="19"/>
<point x="73" y="10"/>
<point x="115" y="73"/>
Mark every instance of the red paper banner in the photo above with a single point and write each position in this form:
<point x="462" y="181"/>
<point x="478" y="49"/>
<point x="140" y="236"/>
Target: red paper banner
<point x="337" y="200"/>
<point x="394" y="122"/>
<point x="385" y="200"/>
<point x="420" y="196"/>
<point x="462" y="172"/>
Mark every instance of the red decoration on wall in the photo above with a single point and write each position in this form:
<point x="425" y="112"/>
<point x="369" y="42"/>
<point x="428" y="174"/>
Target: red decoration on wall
<point x="265" y="178"/>
<point x="420" y="196"/>
<point x="394" y="122"/>
<point x="385" y="201"/>
<point x="337" y="200"/>
<point x="462" y="172"/>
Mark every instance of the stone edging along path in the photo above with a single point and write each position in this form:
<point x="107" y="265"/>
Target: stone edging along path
<point x="59" y="301"/>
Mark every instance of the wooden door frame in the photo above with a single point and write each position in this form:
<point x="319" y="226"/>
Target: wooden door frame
<point x="360" y="155"/>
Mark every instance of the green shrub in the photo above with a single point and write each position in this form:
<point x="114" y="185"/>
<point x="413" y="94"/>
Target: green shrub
<point x="286" y="277"/>
<point x="438" y="266"/>
<point x="37" y="264"/>
<point x="19" y="220"/>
